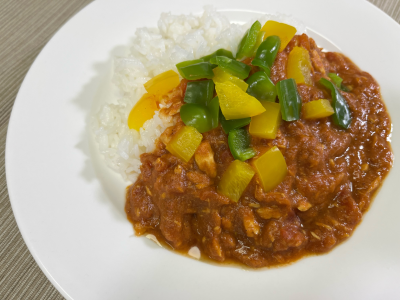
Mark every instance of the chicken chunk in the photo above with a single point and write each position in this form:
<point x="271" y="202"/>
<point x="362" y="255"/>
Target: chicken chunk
<point x="273" y="212"/>
<point x="249" y="222"/>
<point x="204" y="157"/>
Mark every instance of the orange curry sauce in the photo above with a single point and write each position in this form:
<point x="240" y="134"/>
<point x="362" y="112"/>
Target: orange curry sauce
<point x="332" y="177"/>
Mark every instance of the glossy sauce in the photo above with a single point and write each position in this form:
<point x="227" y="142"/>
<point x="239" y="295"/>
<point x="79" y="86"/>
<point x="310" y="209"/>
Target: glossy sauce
<point x="332" y="177"/>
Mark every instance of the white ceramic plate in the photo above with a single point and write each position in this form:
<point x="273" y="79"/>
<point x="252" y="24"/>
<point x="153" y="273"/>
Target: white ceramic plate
<point x="69" y="206"/>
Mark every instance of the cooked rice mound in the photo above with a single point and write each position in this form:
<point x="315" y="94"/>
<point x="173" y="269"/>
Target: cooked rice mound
<point x="153" y="51"/>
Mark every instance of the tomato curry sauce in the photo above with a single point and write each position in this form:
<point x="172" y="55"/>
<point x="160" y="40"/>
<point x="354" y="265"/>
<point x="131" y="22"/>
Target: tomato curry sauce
<point x="332" y="175"/>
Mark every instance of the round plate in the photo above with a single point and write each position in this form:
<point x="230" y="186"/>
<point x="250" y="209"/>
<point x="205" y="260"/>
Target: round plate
<point x="69" y="206"/>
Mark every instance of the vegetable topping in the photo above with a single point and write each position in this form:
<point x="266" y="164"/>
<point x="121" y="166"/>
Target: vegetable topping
<point x="284" y="31"/>
<point x="201" y="111"/>
<point x="289" y="99"/>
<point x="219" y="52"/>
<point x="337" y="80"/>
<point x="185" y="143"/>
<point x="233" y="67"/>
<point x="299" y="66"/>
<point x="195" y="69"/>
<point x="239" y="103"/>
<point x="235" y="103"/>
<point x="196" y="115"/>
<point x="199" y="92"/>
<point x="261" y="87"/>
<point x="318" y="109"/>
<point x="342" y="115"/>
<point x="143" y="110"/>
<point x="162" y="83"/>
<point x="239" y="144"/>
<point x="271" y="168"/>
<point x="267" y="124"/>
<point x="266" y="53"/>
<point x="235" y="180"/>
<point x="228" y="125"/>
<point x="222" y="76"/>
<point x="248" y="42"/>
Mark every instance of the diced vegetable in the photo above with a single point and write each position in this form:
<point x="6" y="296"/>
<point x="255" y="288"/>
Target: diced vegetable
<point x="196" y="115"/>
<point x="195" y="69"/>
<point x="289" y="99"/>
<point x="271" y="168"/>
<point x="260" y="39"/>
<point x="345" y="88"/>
<point x="261" y="87"/>
<point x="162" y="83"/>
<point x="188" y="63"/>
<point x="299" y="66"/>
<point x="235" y="103"/>
<point x="219" y="52"/>
<point x="267" y="124"/>
<point x="317" y="109"/>
<point x="235" y="180"/>
<point x="239" y="144"/>
<point x="143" y="110"/>
<point x="266" y="53"/>
<point x="200" y="111"/>
<point x="199" y="92"/>
<point x="337" y="80"/>
<point x="284" y="31"/>
<point x="342" y="115"/>
<point x="228" y="125"/>
<point x="248" y="42"/>
<point x="213" y="108"/>
<point x="222" y="76"/>
<point x="185" y="143"/>
<point x="231" y="66"/>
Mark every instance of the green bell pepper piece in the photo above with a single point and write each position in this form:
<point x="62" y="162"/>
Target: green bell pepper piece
<point x="228" y="125"/>
<point x="187" y="63"/>
<point x="289" y="99"/>
<point x="234" y="67"/>
<point x="266" y="53"/>
<point x="248" y="42"/>
<point x="199" y="92"/>
<point x="239" y="144"/>
<point x="261" y="87"/>
<point x="345" y="89"/>
<point x="197" y="116"/>
<point x="337" y="80"/>
<point x="213" y="108"/>
<point x="195" y="69"/>
<point x="260" y="39"/>
<point x="219" y="52"/>
<point x="342" y="115"/>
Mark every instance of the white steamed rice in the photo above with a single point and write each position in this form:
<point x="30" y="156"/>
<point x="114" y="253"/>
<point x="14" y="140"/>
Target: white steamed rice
<point x="153" y="51"/>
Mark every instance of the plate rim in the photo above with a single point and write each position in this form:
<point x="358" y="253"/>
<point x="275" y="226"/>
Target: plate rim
<point x="12" y="121"/>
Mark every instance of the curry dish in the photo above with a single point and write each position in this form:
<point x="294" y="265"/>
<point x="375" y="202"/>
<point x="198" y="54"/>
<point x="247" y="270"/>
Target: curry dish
<point x="331" y="178"/>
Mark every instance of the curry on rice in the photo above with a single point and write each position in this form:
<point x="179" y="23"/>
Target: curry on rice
<point x="327" y="167"/>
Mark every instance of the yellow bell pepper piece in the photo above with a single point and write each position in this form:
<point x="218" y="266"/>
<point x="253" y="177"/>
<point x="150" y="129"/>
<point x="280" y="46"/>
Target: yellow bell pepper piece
<point x="235" y="103"/>
<point x="185" y="143"/>
<point x="299" y="66"/>
<point x="221" y="76"/>
<point x="271" y="168"/>
<point x="317" y="109"/>
<point x="143" y="110"/>
<point x="162" y="83"/>
<point x="235" y="180"/>
<point x="284" y="31"/>
<point x="266" y="125"/>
